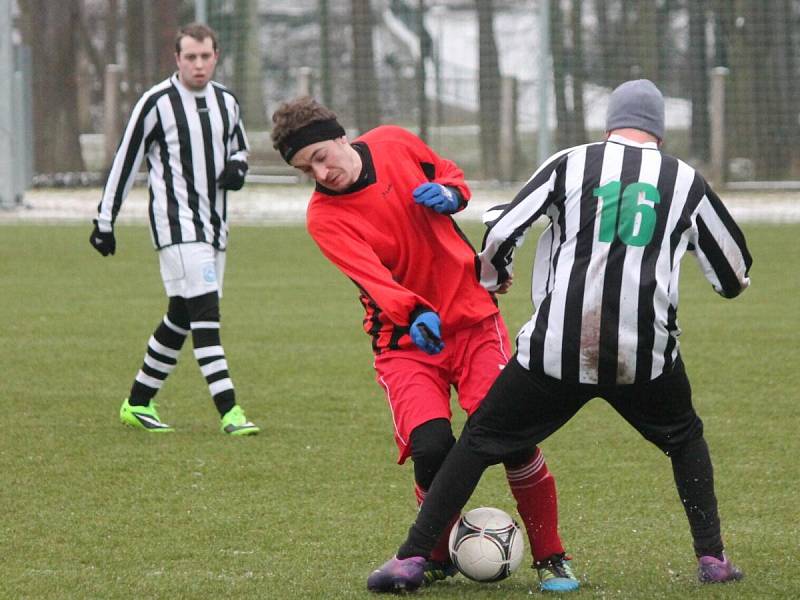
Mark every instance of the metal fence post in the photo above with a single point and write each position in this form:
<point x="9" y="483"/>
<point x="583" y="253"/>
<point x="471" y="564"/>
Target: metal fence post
<point x="201" y="11"/>
<point x="111" y="122"/>
<point x="545" y="68"/>
<point x="508" y="128"/>
<point x="717" y="118"/>
<point x="304" y="81"/>
<point x="10" y="152"/>
<point x="21" y="181"/>
<point x="25" y="69"/>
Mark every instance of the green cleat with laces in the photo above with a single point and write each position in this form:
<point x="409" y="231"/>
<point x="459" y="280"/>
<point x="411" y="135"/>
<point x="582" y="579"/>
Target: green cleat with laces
<point x="235" y="423"/>
<point x="142" y="417"/>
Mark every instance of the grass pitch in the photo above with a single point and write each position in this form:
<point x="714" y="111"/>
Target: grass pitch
<point x="309" y="507"/>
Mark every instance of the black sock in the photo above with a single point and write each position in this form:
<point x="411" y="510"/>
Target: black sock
<point x="451" y="488"/>
<point x="694" y="478"/>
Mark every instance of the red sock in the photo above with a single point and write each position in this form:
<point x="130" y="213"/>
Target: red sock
<point x="534" y="489"/>
<point x="440" y="552"/>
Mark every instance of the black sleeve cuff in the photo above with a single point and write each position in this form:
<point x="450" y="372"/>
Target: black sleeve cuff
<point x="461" y="202"/>
<point x="417" y="312"/>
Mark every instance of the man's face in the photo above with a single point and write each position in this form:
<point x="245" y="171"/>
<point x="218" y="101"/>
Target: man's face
<point x="196" y="62"/>
<point x="332" y="163"/>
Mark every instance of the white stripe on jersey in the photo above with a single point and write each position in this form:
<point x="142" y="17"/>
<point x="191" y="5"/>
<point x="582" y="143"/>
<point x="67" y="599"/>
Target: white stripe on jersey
<point x="666" y="271"/>
<point x="593" y="294"/>
<point x="558" y="287"/>
<point x="631" y="272"/>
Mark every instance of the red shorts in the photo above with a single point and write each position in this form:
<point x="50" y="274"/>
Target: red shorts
<point x="417" y="385"/>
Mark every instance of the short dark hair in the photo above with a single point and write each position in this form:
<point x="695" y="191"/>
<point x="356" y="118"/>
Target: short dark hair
<point x="198" y="31"/>
<point x="296" y="114"/>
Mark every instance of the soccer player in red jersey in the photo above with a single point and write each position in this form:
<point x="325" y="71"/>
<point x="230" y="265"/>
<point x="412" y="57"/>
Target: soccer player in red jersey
<point x="381" y="212"/>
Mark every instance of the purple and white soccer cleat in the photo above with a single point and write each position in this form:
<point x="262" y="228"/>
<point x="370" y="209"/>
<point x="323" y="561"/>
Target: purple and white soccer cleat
<point x="398" y="575"/>
<point x="713" y="570"/>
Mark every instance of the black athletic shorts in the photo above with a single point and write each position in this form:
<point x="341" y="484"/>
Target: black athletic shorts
<point x="524" y="407"/>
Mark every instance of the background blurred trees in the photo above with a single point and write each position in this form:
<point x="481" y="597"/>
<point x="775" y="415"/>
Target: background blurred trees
<point x="763" y="99"/>
<point x="594" y="45"/>
<point x="51" y="31"/>
<point x="489" y="84"/>
<point x="365" y="83"/>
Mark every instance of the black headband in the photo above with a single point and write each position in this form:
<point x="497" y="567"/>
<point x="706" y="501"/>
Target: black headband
<point x="316" y="131"/>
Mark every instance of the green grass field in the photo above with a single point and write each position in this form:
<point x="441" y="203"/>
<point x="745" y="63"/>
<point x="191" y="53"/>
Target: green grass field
<point x="305" y="510"/>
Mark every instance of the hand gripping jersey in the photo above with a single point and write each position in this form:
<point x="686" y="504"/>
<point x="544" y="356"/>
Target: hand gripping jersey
<point x="402" y="256"/>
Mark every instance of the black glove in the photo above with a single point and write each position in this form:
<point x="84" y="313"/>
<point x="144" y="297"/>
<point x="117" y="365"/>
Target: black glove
<point x="104" y="243"/>
<point x="232" y="176"/>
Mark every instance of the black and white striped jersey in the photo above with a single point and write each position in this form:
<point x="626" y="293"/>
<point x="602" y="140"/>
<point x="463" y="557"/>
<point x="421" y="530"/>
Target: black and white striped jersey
<point x="605" y="275"/>
<point x="187" y="137"/>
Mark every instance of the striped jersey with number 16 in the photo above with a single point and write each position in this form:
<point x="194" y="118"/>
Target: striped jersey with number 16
<point x="187" y="137"/>
<point x="605" y="277"/>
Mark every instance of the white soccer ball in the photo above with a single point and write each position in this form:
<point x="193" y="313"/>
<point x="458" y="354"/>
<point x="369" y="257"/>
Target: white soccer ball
<point x="486" y="544"/>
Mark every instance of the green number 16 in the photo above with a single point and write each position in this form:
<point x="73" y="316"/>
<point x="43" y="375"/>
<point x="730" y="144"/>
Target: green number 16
<point x="637" y="214"/>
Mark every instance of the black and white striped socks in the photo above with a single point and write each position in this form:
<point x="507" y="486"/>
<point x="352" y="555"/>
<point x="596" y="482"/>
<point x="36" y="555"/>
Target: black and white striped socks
<point x="160" y="359"/>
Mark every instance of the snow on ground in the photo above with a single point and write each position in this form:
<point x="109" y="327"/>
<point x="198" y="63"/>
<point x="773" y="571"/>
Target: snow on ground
<point x="286" y="204"/>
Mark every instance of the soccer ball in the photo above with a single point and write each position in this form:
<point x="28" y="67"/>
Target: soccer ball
<point x="486" y="544"/>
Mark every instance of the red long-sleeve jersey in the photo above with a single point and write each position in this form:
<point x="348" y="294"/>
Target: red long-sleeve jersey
<point x="402" y="256"/>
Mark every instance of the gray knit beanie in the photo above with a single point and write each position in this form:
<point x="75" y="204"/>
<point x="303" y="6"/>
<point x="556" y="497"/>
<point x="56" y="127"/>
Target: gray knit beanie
<point x="638" y="104"/>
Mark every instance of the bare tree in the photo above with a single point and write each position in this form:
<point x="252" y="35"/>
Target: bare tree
<point x="95" y="57"/>
<point x="325" y="52"/>
<point x="489" y="87"/>
<point x="568" y="72"/>
<point x="112" y="31"/>
<point x="422" y="98"/>
<point x="50" y="29"/>
<point x="558" y="53"/>
<point x="607" y="75"/>
<point x="699" y="80"/>
<point x="135" y="41"/>
<point x="249" y="78"/>
<point x="761" y="110"/>
<point x="645" y="29"/>
<point x="578" y="75"/>
<point x="164" y="16"/>
<point x="365" y="82"/>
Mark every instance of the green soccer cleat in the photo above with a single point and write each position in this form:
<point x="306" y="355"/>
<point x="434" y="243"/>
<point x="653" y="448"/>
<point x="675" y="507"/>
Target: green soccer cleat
<point x="235" y="423"/>
<point x="142" y="417"/>
<point x="555" y="574"/>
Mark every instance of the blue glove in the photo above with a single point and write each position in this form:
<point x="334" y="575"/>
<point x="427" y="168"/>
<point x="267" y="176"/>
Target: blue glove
<point x="440" y="198"/>
<point x="425" y="332"/>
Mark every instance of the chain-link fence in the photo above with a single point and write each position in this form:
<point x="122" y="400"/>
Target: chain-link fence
<point x="495" y="85"/>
